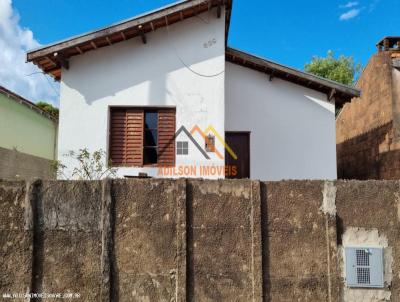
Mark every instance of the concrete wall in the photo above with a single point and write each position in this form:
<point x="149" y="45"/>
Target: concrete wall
<point x="224" y="241"/>
<point x="26" y="130"/>
<point x="299" y="243"/>
<point x="181" y="66"/>
<point x="194" y="240"/>
<point x="16" y="240"/>
<point x="368" y="213"/>
<point x="18" y="165"/>
<point x="292" y="127"/>
<point x="368" y="128"/>
<point x="150" y="222"/>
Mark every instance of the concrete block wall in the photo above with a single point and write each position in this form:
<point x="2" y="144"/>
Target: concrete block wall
<point x="16" y="165"/>
<point x="195" y="240"/>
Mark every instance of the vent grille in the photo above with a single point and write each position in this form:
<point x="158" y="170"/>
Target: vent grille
<point x="364" y="267"/>
<point x="363" y="275"/>
<point x="362" y="257"/>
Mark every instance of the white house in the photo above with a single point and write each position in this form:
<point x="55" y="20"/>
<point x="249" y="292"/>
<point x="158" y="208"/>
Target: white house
<point x="164" y="95"/>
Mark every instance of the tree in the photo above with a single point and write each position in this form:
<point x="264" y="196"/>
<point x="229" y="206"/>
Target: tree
<point x="50" y="109"/>
<point x="343" y="69"/>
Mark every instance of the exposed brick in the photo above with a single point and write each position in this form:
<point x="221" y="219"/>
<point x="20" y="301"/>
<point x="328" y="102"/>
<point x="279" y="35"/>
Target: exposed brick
<point x="367" y="128"/>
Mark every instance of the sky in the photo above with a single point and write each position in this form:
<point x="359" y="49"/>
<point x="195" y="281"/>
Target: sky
<point x="288" y="32"/>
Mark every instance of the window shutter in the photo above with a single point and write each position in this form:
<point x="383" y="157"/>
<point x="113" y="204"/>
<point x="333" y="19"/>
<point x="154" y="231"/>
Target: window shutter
<point x="166" y="137"/>
<point x="134" y="137"/>
<point x="117" y="136"/>
<point x="126" y="137"/>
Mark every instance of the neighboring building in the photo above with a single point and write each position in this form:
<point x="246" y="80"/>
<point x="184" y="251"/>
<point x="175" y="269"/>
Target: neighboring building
<point x="368" y="128"/>
<point x="128" y="87"/>
<point x="27" y="138"/>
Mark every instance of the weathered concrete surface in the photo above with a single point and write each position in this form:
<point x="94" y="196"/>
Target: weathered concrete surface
<point x="107" y="246"/>
<point x="71" y="205"/>
<point x="71" y="242"/>
<point x="71" y="264"/>
<point x="297" y="266"/>
<point x="148" y="243"/>
<point x="18" y="165"/>
<point x="329" y="199"/>
<point x="369" y="212"/>
<point x="193" y="240"/>
<point x="224" y="265"/>
<point x="15" y="242"/>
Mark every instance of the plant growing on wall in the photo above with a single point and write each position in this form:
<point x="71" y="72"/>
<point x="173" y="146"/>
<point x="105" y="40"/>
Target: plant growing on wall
<point x="89" y="166"/>
<point x="50" y="109"/>
<point x="58" y="169"/>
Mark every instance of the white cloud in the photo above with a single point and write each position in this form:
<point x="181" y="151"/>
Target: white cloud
<point x="15" y="41"/>
<point x="349" y="14"/>
<point x="349" y="4"/>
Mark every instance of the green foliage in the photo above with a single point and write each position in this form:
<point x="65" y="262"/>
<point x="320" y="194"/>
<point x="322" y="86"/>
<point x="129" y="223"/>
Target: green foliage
<point x="50" y="109"/>
<point x="58" y="169"/>
<point x="89" y="166"/>
<point x="343" y="69"/>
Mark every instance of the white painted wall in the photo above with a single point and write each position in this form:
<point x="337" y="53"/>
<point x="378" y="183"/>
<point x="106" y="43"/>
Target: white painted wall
<point x="133" y="74"/>
<point x="292" y="127"/>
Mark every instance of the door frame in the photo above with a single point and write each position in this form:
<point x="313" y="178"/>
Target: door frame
<point x="248" y="151"/>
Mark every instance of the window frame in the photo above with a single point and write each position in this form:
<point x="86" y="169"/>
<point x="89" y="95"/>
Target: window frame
<point x="144" y="109"/>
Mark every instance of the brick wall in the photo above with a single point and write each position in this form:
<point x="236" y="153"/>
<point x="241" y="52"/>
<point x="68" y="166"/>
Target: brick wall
<point x="389" y="165"/>
<point x="367" y="129"/>
<point x="192" y="240"/>
<point x="361" y="157"/>
<point x="374" y="108"/>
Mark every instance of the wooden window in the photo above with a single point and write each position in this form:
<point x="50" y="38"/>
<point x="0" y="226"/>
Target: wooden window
<point x="142" y="137"/>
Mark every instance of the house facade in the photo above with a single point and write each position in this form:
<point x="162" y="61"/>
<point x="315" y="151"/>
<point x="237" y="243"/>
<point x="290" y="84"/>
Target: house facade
<point x="164" y="96"/>
<point x="28" y="138"/>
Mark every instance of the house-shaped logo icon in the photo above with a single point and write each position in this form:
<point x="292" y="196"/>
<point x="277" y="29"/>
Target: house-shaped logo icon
<point x="182" y="147"/>
<point x="209" y="135"/>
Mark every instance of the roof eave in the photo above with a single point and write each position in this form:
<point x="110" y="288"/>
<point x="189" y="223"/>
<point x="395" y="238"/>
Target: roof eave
<point x="52" y="58"/>
<point x="27" y="103"/>
<point x="337" y="92"/>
